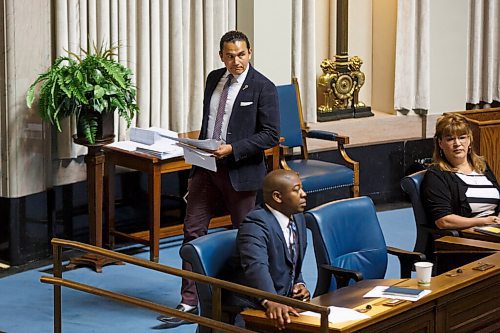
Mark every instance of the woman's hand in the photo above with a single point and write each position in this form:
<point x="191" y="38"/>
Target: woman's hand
<point x="492" y="220"/>
<point x="454" y="221"/>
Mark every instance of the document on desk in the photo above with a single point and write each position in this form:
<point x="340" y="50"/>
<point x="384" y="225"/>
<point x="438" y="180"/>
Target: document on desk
<point x="198" y="157"/>
<point x="149" y="141"/>
<point x="339" y="314"/>
<point x="161" y="150"/>
<point x="379" y="291"/>
<point x="152" y="135"/>
<point x="492" y="229"/>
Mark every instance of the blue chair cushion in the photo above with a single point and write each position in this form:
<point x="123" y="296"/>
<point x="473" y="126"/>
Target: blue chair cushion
<point x="320" y="175"/>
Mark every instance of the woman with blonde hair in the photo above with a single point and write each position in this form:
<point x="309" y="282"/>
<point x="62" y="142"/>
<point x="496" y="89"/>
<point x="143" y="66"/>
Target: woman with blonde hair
<point x="459" y="190"/>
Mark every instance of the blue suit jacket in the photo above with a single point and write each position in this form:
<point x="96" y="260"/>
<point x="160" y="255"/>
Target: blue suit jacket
<point x="251" y="130"/>
<point x="262" y="258"/>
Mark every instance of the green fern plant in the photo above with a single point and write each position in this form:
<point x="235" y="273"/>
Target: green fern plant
<point x="85" y="86"/>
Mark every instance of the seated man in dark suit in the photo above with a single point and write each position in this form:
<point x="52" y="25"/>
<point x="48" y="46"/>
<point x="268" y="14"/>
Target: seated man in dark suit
<point x="271" y="244"/>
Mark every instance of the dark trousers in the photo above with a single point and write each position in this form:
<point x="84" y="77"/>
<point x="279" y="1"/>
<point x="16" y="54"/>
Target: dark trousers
<point x="207" y="191"/>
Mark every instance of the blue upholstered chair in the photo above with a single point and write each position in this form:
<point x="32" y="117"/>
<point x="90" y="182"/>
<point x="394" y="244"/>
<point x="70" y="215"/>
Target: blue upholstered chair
<point x="209" y="255"/>
<point x="427" y="232"/>
<point x="316" y="175"/>
<point x="349" y="244"/>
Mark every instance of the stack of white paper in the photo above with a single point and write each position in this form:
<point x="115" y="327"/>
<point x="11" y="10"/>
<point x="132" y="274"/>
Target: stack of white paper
<point x="151" y="141"/>
<point x="339" y="314"/>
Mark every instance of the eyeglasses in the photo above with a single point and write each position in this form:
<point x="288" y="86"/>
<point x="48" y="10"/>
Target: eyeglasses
<point x="451" y="139"/>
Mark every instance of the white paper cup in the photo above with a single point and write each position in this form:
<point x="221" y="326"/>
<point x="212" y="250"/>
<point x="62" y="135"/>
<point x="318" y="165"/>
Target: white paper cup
<point x="424" y="272"/>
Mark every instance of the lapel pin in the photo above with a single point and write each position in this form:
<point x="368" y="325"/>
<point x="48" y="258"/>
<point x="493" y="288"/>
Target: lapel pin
<point x="246" y="86"/>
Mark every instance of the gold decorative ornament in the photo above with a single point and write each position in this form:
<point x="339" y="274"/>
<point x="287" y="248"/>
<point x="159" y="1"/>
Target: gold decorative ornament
<point x="341" y="90"/>
<point x="342" y="78"/>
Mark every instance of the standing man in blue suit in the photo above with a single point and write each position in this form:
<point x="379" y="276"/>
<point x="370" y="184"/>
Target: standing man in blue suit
<point x="240" y="107"/>
<point x="270" y="247"/>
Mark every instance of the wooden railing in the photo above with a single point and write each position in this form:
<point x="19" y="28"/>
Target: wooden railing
<point x="217" y="285"/>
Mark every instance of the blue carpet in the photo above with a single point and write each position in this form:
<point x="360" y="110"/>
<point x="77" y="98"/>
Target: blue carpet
<point x="26" y="304"/>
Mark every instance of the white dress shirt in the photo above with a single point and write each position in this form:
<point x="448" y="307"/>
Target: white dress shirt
<point x="234" y="89"/>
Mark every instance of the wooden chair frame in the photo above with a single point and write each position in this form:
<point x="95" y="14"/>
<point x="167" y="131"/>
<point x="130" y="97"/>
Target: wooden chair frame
<point x="341" y="140"/>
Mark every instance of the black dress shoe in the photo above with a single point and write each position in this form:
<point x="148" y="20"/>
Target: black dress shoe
<point x="170" y="322"/>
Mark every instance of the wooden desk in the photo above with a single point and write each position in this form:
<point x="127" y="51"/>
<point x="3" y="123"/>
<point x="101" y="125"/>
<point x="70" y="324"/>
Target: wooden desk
<point x="472" y="234"/>
<point x="459" y="302"/>
<point x="154" y="168"/>
<point x="464" y="244"/>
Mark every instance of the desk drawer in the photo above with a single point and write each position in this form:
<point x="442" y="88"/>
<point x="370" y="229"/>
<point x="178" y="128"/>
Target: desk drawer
<point x="475" y="308"/>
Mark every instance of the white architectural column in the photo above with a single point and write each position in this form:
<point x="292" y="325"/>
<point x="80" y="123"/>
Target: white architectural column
<point x="268" y="25"/>
<point x="448" y="72"/>
<point x="24" y="139"/>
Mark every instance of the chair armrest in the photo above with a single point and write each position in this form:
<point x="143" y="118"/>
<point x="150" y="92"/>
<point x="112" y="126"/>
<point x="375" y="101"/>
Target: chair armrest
<point x="445" y="232"/>
<point x="282" y="154"/>
<point x="342" y="275"/>
<point x="326" y="135"/>
<point x="341" y="141"/>
<point x="273" y="157"/>
<point x="438" y="233"/>
<point x="406" y="259"/>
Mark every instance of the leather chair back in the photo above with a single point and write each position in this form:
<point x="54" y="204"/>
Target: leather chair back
<point x="411" y="186"/>
<point x="290" y="128"/>
<point x="209" y="255"/>
<point x="347" y="234"/>
<point x="330" y="180"/>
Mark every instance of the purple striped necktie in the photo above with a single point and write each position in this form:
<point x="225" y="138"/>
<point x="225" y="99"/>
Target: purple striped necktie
<point x="221" y="109"/>
<point x="293" y="240"/>
<point x="293" y="251"/>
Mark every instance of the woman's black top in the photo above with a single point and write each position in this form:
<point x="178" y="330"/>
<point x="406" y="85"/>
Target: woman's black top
<point x="443" y="193"/>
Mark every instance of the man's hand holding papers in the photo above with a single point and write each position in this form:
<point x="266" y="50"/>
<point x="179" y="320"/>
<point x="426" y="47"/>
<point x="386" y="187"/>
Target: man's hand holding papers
<point x="203" y="153"/>
<point x="199" y="157"/>
<point x="223" y="151"/>
<point x="208" y="145"/>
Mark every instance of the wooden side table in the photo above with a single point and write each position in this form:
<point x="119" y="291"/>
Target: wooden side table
<point x="154" y="168"/>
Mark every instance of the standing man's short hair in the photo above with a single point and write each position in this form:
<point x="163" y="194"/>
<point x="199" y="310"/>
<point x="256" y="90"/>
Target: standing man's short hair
<point x="233" y="36"/>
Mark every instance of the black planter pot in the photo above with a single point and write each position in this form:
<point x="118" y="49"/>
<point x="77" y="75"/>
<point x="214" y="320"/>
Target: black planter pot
<point x="105" y="127"/>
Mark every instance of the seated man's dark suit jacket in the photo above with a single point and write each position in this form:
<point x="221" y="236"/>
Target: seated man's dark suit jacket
<point x="253" y="127"/>
<point x="262" y="259"/>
